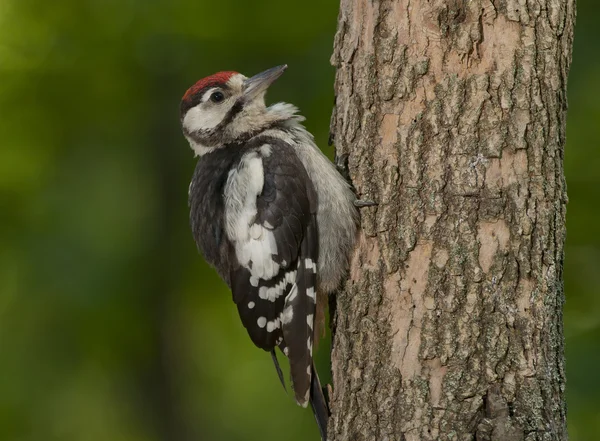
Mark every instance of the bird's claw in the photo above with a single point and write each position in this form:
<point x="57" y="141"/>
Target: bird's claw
<point x="359" y="203"/>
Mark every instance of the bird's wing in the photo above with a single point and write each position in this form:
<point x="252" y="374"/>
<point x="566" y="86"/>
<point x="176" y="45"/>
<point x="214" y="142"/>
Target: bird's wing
<point x="270" y="213"/>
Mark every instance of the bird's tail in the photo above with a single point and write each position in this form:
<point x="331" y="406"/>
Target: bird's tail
<point x="318" y="403"/>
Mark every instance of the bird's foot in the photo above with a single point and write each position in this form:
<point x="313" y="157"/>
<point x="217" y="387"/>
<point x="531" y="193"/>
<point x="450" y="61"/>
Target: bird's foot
<point x="360" y="203"/>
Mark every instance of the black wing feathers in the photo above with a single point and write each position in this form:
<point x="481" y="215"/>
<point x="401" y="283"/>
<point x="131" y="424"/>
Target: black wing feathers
<point x="284" y="204"/>
<point x="284" y="208"/>
<point x="260" y="317"/>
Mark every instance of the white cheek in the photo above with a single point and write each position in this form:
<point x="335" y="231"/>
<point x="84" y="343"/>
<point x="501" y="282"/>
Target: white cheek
<point x="199" y="118"/>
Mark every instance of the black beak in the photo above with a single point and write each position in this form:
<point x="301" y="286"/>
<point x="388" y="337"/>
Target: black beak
<point x="259" y="83"/>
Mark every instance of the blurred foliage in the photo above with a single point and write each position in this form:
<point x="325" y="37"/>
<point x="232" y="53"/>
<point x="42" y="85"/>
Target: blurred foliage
<point x="111" y="327"/>
<point x="582" y="252"/>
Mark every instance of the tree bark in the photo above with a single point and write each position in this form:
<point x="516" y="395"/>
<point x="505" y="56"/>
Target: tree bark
<point x="450" y="114"/>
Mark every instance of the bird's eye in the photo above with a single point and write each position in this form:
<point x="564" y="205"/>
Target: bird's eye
<point x="217" y="97"/>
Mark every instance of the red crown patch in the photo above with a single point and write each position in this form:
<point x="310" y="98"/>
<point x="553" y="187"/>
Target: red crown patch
<point x="217" y="79"/>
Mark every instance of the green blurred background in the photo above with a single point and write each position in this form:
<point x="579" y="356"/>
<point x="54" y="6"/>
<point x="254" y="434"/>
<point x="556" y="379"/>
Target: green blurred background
<point x="111" y="327"/>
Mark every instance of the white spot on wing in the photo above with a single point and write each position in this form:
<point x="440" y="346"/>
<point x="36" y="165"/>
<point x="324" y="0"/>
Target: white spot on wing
<point x="262" y="321"/>
<point x="309" y="320"/>
<point x="271" y="326"/>
<point x="254" y="281"/>
<point x="290" y="277"/>
<point x="262" y="292"/>
<point x="310" y="292"/>
<point x="251" y="305"/>
<point x="287" y="315"/>
<point x="309" y="264"/>
<point x="274" y="292"/>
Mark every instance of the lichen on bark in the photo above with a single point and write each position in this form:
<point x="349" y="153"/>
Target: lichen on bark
<point x="451" y="116"/>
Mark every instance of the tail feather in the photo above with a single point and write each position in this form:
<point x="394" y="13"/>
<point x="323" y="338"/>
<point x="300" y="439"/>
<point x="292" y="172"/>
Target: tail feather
<point x="318" y="403"/>
<point x="297" y="319"/>
<point x="278" y="368"/>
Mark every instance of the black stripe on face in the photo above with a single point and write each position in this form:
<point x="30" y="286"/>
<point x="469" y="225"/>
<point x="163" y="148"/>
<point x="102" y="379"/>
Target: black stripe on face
<point x="233" y="112"/>
<point x="214" y="136"/>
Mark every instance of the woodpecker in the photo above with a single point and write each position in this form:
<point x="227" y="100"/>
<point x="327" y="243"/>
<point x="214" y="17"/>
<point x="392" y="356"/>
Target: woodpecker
<point x="271" y="214"/>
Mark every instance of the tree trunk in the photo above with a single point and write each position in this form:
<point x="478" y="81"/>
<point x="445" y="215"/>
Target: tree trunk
<point x="450" y="114"/>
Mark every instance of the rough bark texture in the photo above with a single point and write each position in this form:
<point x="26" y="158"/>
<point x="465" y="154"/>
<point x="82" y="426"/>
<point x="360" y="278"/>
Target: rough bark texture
<point x="451" y="115"/>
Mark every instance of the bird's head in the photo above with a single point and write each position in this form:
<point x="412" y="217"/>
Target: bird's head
<point x="226" y="107"/>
